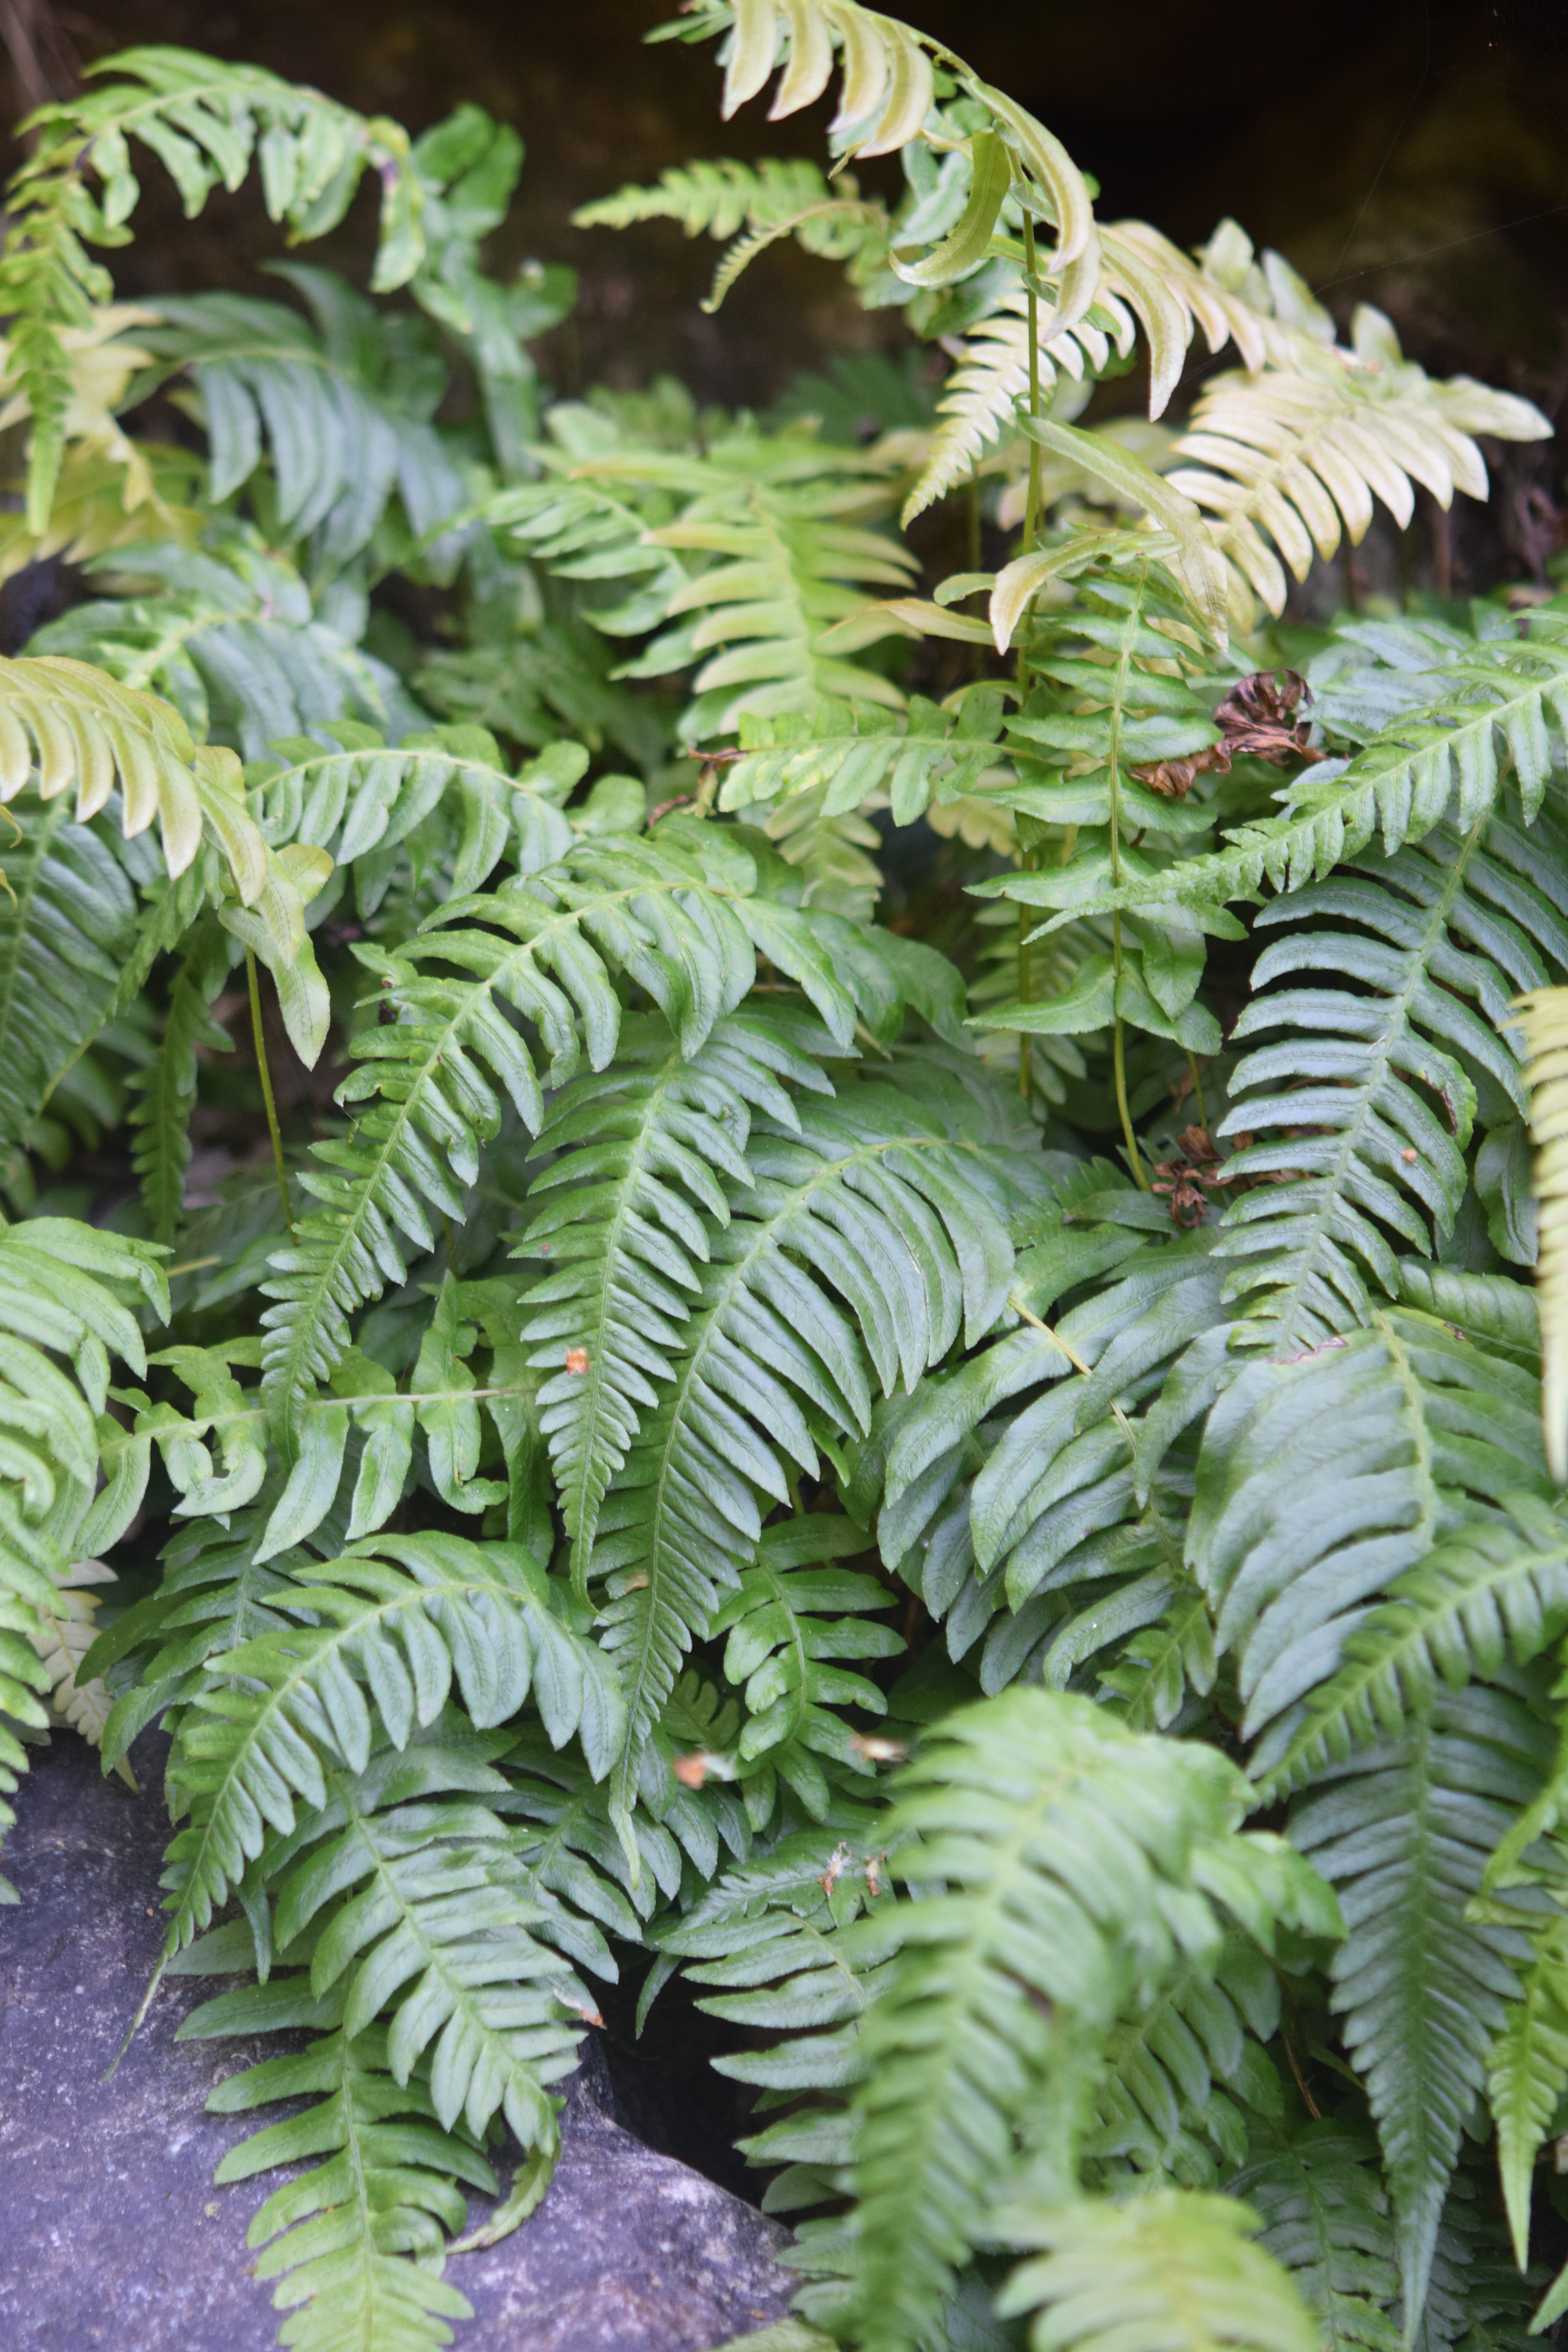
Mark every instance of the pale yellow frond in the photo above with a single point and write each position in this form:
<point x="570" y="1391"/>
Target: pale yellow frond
<point x="1288" y="460"/>
<point x="1544" y="1017"/>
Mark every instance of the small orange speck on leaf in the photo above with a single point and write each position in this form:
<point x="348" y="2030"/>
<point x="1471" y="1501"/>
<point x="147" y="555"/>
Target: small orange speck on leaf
<point x="576" y="1360"/>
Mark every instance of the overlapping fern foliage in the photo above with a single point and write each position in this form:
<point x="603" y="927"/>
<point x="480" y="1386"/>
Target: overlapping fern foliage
<point x="998" y="1506"/>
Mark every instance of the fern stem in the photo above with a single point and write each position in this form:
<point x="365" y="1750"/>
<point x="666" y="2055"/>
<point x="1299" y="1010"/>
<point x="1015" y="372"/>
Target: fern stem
<point x="1032" y="510"/>
<point x="1026" y="924"/>
<point x="264" y="1072"/>
<point x="1119" y="1065"/>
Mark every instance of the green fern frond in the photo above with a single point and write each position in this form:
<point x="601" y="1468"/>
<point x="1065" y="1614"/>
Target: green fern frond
<point x="1164" y="2272"/>
<point x="1527" y="2077"/>
<point x="1391" y="1072"/>
<point x="779" y="1636"/>
<point x="1482" y="1597"/>
<point x="165" y="1090"/>
<point x="67" y="920"/>
<point x="340" y="449"/>
<point x="205" y="122"/>
<point x="784" y="515"/>
<point x="624" y="1210"/>
<point x="63" y="1637"/>
<point x="1325" y="2220"/>
<point x="63" y="1293"/>
<point x="893" y="1208"/>
<point x="402" y="1615"/>
<point x="1011" y="1976"/>
<point x="230" y="635"/>
<point x="547" y="950"/>
<point x="388" y="2188"/>
<point x="1489" y="705"/>
<point x="1423" y="1427"/>
<point x="1403" y="1831"/>
<point x="1544" y="1020"/>
<point x="848" y="752"/>
<point x="406" y="1896"/>
<point x="354" y="795"/>
<point x="1292" y="454"/>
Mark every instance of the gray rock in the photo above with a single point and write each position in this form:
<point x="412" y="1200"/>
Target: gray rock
<point x="113" y="2232"/>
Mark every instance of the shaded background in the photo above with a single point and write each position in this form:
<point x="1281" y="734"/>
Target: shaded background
<point x="1414" y="155"/>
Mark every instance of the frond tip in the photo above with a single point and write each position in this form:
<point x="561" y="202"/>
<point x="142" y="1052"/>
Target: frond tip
<point x="1544" y="1017"/>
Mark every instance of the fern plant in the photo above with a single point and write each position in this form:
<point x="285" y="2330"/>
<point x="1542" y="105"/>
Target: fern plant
<point x="872" y="1270"/>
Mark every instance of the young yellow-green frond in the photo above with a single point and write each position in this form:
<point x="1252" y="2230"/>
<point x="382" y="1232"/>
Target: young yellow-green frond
<point x="1544" y="1017"/>
<point x="756" y="204"/>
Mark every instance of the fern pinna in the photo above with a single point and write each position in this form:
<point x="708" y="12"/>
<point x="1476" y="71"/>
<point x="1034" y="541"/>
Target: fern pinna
<point x="905" y="1351"/>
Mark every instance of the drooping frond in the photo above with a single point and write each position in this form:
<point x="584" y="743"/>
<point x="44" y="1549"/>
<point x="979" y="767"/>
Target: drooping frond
<point x="341" y="442"/>
<point x="1383" y="1074"/>
<point x="625" y="1211"/>
<point x="547" y="950"/>
<point x="1403" y="1831"/>
<point x="1544" y="1020"/>
<point x="892" y="1203"/>
<point x="1286" y="457"/>
<point x="396" y="1620"/>
<point x="1164" y="2272"/>
<point x="1325" y="2220"/>
<point x="887" y="87"/>
<point x="1527" y="2077"/>
<point x="1008" y="1980"/>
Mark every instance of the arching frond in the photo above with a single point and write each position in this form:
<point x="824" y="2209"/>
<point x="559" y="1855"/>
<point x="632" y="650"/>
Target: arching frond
<point x="1492" y="1593"/>
<point x="353" y="795"/>
<point x="400" y="1618"/>
<point x="431" y="1079"/>
<point x="1164" y="2272"/>
<point x="1365" y="1106"/>
<point x="1403" y="1831"/>
<point x="756" y="204"/>
<point x="1285" y="457"/>
<point x="892" y="1204"/>
<point x="635" y="1188"/>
